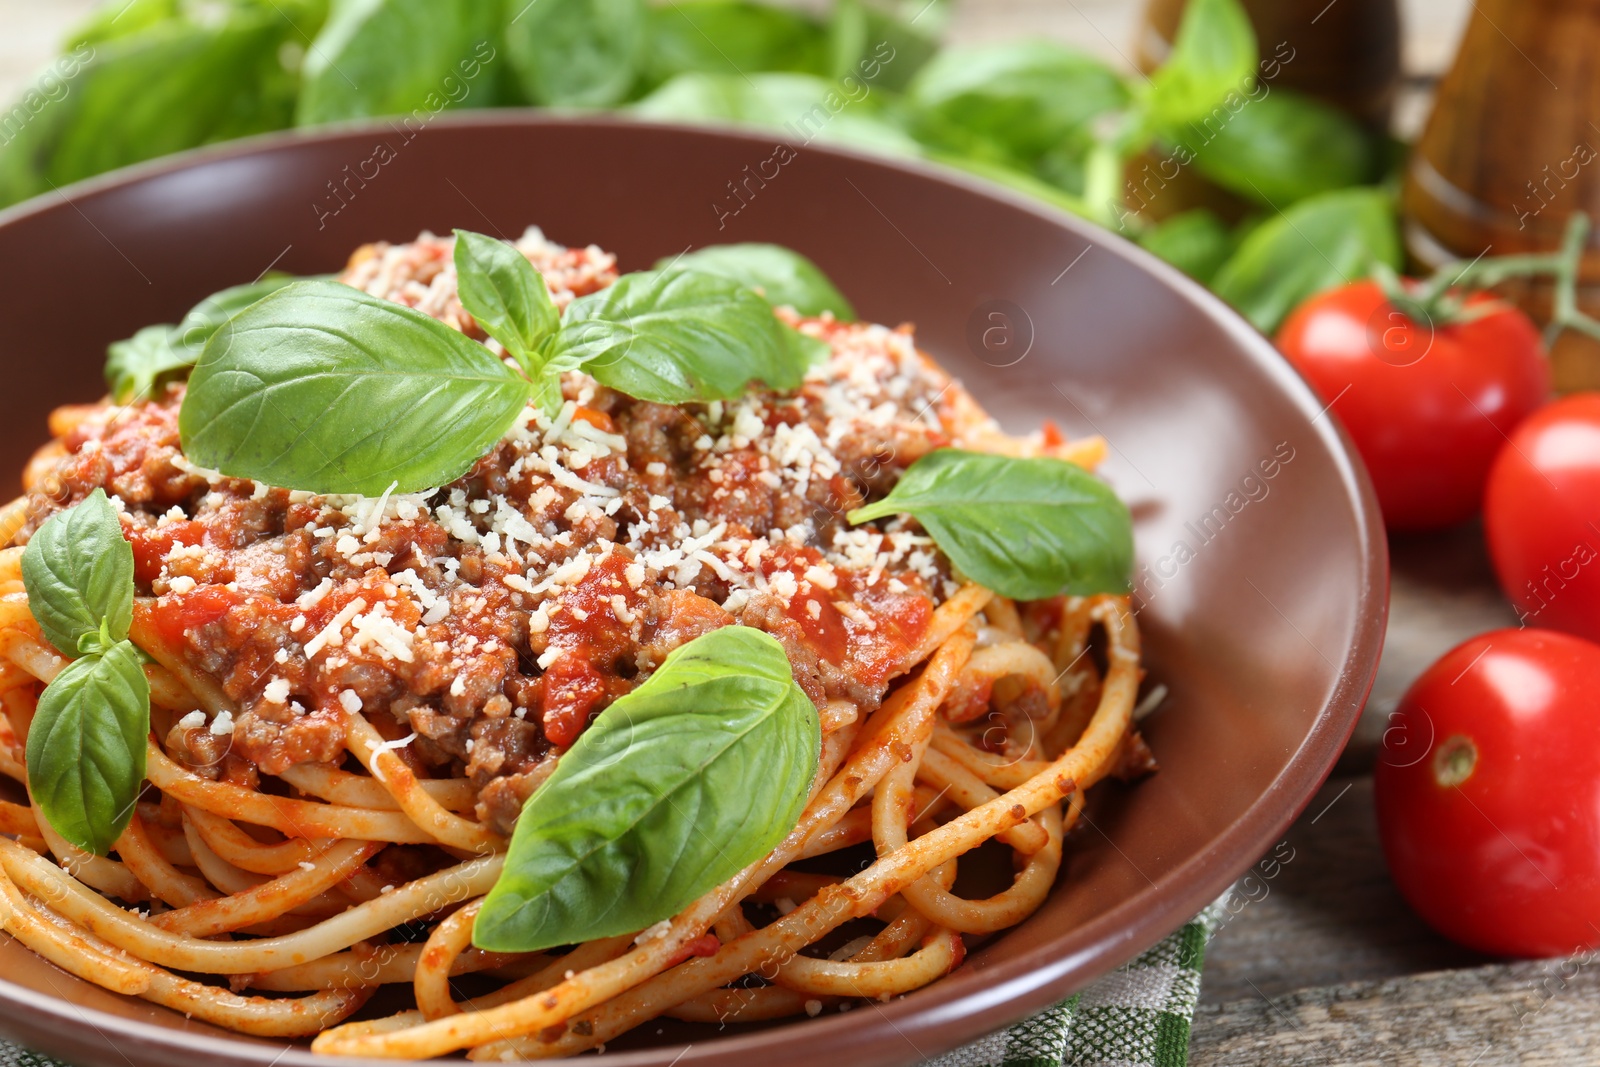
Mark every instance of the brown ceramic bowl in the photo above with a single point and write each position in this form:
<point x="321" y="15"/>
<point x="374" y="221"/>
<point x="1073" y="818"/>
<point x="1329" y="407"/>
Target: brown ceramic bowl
<point x="1263" y="569"/>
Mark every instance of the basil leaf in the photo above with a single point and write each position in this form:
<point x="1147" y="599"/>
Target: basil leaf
<point x="500" y="288"/>
<point x="1197" y="242"/>
<point x="1282" y="148"/>
<point x="671" y="791"/>
<point x="323" y="388"/>
<point x="1021" y="181"/>
<point x="171" y="86"/>
<point x="1066" y="166"/>
<point x="780" y="274"/>
<point x="1214" y="55"/>
<point x="805" y="351"/>
<point x="136" y="366"/>
<point x="1026" y="97"/>
<point x="1026" y="528"/>
<point x="1314" y="245"/>
<point x="120" y="18"/>
<point x="78" y="571"/>
<point x="876" y="44"/>
<point x="797" y="106"/>
<point x="732" y="37"/>
<point x="206" y="317"/>
<point x="577" y="53"/>
<point x="86" y="746"/>
<point x="672" y="337"/>
<point x="392" y="57"/>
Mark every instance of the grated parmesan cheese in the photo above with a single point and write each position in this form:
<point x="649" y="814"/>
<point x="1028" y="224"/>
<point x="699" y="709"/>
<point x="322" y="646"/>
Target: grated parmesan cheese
<point x="314" y="597"/>
<point x="333" y="633"/>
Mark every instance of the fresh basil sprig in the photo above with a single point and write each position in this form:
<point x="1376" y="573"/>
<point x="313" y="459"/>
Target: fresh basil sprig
<point x="780" y="274"/>
<point x="1215" y="53"/>
<point x="398" y="57"/>
<point x="730" y="37"/>
<point x="676" y="337"/>
<point x="500" y="288"/>
<point x="1016" y="100"/>
<point x="78" y="570"/>
<point x="1312" y="246"/>
<point x="577" y="53"/>
<point x="672" y="790"/>
<point x="136" y="366"/>
<point x="783" y="276"/>
<point x="86" y="746"/>
<point x="323" y="388"/>
<point x="1026" y="528"/>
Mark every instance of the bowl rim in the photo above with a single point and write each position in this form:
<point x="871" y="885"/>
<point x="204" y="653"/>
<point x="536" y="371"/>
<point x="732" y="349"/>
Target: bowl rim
<point x="1011" y="990"/>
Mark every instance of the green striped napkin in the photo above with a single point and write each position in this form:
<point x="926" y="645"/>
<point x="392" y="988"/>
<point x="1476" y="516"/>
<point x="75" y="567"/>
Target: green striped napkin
<point x="1137" y="1016"/>
<point x="1134" y="1017"/>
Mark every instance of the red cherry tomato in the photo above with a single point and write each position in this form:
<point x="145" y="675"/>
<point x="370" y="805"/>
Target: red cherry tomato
<point x="1541" y="514"/>
<point x="1488" y="794"/>
<point x="1427" y="407"/>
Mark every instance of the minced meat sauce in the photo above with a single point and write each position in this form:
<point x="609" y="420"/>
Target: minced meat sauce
<point x="485" y="623"/>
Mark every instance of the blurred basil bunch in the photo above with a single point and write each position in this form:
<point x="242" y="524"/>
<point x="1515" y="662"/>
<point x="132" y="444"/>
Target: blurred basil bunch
<point x="144" y="78"/>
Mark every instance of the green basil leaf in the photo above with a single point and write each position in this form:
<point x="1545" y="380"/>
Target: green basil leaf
<point x="1066" y="166"/>
<point x="156" y="353"/>
<point x="882" y="44"/>
<point x="1026" y="528"/>
<point x="136" y="365"/>
<point x="1214" y="55"/>
<point x="171" y="86"/>
<point x="1197" y="242"/>
<point x="670" y="791"/>
<point x="732" y="37"/>
<point x="1317" y="244"/>
<point x="1281" y="148"/>
<point x="86" y="746"/>
<point x="120" y="18"/>
<point x="780" y="274"/>
<point x="500" y="288"/>
<point x="577" y="53"/>
<point x="393" y="57"/>
<point x="1027" y="96"/>
<point x="805" y="351"/>
<point x="673" y="337"/>
<point x="798" y="107"/>
<point x="1022" y="182"/>
<point x="78" y="571"/>
<point x="93" y="644"/>
<point x="323" y="388"/>
<point x="207" y="317"/>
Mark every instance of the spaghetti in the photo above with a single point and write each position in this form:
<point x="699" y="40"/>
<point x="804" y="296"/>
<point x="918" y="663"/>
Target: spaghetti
<point x="352" y="697"/>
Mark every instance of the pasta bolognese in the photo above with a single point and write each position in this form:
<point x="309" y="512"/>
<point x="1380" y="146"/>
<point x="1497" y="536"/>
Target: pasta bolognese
<point x="356" y="699"/>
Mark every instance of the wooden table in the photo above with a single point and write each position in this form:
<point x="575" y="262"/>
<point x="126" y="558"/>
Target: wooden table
<point x="1328" y="966"/>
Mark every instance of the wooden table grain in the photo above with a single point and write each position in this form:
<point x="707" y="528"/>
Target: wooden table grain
<point x="1324" y="963"/>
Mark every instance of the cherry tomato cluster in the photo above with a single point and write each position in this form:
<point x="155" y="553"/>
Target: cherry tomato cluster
<point x="1488" y="787"/>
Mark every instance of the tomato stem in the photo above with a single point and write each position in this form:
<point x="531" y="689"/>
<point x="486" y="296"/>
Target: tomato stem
<point x="1566" y="313"/>
<point x="1438" y="300"/>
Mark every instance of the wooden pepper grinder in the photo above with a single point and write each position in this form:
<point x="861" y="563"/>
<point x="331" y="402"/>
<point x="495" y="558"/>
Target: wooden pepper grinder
<point x="1347" y="53"/>
<point x="1511" y="150"/>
